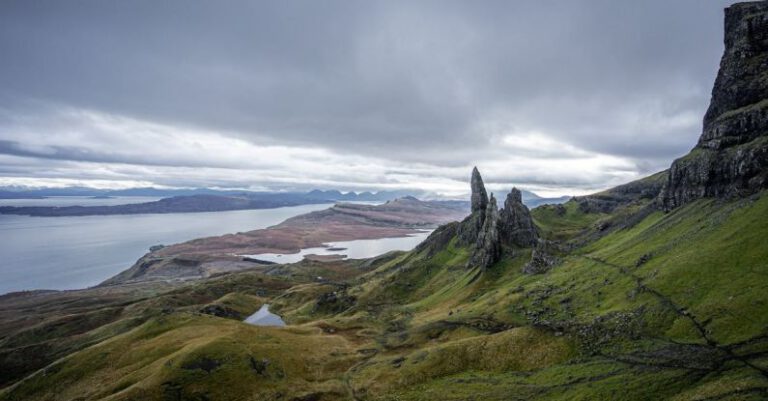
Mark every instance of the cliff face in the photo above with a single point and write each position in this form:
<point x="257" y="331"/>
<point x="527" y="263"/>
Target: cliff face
<point x="731" y="157"/>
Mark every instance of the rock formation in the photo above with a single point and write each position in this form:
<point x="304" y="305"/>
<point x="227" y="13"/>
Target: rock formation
<point x="516" y="226"/>
<point x="540" y="262"/>
<point x="489" y="231"/>
<point x="487" y="249"/>
<point x="479" y="196"/>
<point x="469" y="229"/>
<point x="731" y="157"/>
<point x="439" y="239"/>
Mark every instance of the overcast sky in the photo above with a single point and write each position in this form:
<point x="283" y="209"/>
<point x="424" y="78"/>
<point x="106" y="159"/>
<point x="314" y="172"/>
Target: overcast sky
<point x="559" y="97"/>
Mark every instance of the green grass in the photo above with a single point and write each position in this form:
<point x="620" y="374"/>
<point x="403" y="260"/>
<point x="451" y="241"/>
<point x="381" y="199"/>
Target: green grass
<point x="651" y="310"/>
<point x="563" y="223"/>
<point x="196" y="355"/>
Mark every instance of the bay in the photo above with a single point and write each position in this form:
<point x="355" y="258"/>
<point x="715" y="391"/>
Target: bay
<point x="62" y="253"/>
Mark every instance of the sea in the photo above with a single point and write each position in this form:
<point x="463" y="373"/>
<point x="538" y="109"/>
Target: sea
<point x="65" y="253"/>
<point x="62" y="253"/>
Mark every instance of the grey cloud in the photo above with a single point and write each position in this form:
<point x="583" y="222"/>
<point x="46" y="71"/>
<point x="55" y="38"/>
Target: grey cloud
<point x="434" y="82"/>
<point x="72" y="153"/>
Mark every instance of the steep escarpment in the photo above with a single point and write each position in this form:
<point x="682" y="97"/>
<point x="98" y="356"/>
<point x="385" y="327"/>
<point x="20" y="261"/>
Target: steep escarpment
<point x="731" y="156"/>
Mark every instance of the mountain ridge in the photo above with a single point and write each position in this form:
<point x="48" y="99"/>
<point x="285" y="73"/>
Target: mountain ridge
<point x="731" y="157"/>
<point x="655" y="289"/>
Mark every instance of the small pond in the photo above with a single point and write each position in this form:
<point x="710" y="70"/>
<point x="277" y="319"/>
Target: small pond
<point x="263" y="317"/>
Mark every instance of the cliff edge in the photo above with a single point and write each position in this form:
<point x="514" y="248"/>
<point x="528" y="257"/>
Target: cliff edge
<point x="731" y="156"/>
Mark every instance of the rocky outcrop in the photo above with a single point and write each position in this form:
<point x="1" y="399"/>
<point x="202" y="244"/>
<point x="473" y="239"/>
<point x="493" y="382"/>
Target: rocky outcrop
<point x="607" y="201"/>
<point x="438" y="240"/>
<point x="479" y="196"/>
<point x="541" y="261"/>
<point x="487" y="249"/>
<point x="735" y="114"/>
<point x="221" y="311"/>
<point x="731" y="157"/>
<point x="469" y="229"/>
<point x="516" y="226"/>
<point x="488" y="231"/>
<point x="334" y="302"/>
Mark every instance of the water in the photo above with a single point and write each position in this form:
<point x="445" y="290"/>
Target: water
<point x="263" y="317"/>
<point x="78" y="201"/>
<point x="77" y="252"/>
<point x="356" y="249"/>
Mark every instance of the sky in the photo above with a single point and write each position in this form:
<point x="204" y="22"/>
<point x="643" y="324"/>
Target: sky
<point x="559" y="97"/>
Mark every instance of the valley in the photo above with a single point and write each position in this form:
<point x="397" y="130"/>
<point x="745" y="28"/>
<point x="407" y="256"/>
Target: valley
<point x="656" y="289"/>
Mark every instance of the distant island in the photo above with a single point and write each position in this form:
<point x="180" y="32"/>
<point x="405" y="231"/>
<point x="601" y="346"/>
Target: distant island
<point x="205" y="201"/>
<point x="216" y="201"/>
<point x="11" y="192"/>
<point x="202" y="257"/>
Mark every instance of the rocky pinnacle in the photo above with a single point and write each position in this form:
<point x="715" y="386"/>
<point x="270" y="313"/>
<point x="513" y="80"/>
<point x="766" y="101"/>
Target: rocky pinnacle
<point x="469" y="229"/>
<point x="516" y="226"/>
<point x="487" y="248"/>
<point x="479" y="196"/>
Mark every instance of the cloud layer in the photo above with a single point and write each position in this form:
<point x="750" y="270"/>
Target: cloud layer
<point x="554" y="96"/>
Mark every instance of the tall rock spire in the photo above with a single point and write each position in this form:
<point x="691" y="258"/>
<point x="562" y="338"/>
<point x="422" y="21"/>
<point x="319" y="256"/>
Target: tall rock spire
<point x="515" y="223"/>
<point x="469" y="229"/>
<point x="487" y="247"/>
<point x="479" y="196"/>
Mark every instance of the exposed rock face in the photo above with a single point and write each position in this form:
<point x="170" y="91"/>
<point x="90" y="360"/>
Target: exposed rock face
<point x="334" y="302"/>
<point x="488" y="246"/>
<point x="221" y="311"/>
<point x="731" y="157"/>
<point x="439" y="239"/>
<point x="469" y="229"/>
<point x="540" y="262"/>
<point x="490" y="231"/>
<point x="516" y="226"/>
<point x="479" y="196"/>
<point x="742" y="82"/>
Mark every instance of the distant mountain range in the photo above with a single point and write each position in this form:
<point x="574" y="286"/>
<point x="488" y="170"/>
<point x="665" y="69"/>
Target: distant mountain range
<point x="243" y="199"/>
<point x="331" y="195"/>
<point x="651" y="290"/>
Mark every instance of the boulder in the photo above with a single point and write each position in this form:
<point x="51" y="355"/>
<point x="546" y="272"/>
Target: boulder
<point x="541" y="261"/>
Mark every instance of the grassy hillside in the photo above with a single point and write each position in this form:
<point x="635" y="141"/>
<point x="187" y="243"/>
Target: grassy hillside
<point x="671" y="308"/>
<point x="643" y="305"/>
